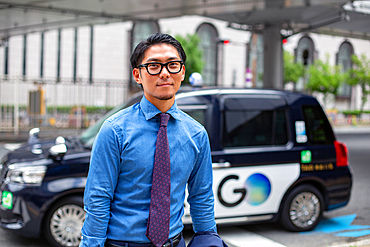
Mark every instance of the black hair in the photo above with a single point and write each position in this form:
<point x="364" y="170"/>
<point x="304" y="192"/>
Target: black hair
<point x="138" y="54"/>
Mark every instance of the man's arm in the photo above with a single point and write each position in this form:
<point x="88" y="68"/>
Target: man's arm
<point x="100" y="186"/>
<point x="200" y="189"/>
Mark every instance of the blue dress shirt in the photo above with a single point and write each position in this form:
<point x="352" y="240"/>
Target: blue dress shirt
<point x="117" y="193"/>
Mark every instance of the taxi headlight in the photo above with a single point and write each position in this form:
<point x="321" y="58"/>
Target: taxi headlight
<point x="26" y="174"/>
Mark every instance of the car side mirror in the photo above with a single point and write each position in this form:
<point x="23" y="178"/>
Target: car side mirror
<point x="33" y="137"/>
<point x="58" y="151"/>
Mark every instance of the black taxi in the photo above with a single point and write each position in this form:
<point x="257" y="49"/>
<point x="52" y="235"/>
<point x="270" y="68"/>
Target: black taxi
<point x="275" y="158"/>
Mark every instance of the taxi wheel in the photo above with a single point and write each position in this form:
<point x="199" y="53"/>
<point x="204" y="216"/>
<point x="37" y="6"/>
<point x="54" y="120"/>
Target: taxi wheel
<point x="302" y="209"/>
<point x="63" y="222"/>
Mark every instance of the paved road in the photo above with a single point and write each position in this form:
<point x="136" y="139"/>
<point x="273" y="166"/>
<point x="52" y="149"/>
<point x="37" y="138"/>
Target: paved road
<point x="348" y="225"/>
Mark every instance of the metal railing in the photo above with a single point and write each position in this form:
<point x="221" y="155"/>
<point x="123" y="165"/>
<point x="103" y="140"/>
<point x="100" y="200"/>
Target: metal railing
<point x="50" y="103"/>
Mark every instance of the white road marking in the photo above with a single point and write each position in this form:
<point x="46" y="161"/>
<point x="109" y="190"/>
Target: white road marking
<point x="242" y="238"/>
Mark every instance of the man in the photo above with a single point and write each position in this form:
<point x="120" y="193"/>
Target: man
<point x="121" y="203"/>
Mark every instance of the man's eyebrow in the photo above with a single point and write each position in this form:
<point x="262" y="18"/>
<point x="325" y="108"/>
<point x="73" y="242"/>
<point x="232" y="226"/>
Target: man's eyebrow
<point x="158" y="60"/>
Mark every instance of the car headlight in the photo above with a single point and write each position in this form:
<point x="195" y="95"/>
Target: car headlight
<point x="26" y="174"/>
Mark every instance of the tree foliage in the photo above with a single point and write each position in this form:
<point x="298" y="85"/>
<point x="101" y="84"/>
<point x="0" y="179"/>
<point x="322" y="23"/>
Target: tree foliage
<point x="325" y="78"/>
<point x="194" y="56"/>
<point x="292" y="70"/>
<point x="360" y="75"/>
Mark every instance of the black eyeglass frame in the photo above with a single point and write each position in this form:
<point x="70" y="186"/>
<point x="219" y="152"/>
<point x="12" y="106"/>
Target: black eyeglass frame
<point x="162" y="65"/>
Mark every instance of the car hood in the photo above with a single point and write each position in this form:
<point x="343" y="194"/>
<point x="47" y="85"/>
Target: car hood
<point x="30" y="152"/>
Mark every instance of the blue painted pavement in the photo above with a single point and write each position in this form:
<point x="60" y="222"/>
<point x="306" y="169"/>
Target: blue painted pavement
<point x="340" y="226"/>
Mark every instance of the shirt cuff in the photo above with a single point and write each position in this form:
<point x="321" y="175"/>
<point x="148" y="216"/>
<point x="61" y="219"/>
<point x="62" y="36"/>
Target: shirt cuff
<point x="87" y="241"/>
<point x="212" y="228"/>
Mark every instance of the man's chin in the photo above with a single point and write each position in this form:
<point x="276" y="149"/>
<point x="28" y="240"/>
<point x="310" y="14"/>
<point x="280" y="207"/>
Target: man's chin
<point x="165" y="97"/>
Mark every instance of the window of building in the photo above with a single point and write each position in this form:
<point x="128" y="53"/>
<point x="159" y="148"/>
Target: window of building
<point x="141" y="30"/>
<point x="343" y="59"/>
<point x="209" y="36"/>
<point x="305" y="51"/>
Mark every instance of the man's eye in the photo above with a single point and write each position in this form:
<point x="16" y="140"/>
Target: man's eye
<point x="153" y="66"/>
<point x="174" y="64"/>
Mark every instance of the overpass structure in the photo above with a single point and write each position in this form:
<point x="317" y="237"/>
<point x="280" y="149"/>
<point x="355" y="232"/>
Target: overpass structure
<point x="275" y="19"/>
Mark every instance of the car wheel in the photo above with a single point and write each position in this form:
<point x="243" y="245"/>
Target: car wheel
<point x="302" y="209"/>
<point x="64" y="221"/>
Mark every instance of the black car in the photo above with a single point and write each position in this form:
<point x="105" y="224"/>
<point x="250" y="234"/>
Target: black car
<point x="274" y="153"/>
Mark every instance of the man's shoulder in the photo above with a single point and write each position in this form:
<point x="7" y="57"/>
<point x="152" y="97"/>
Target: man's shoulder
<point x="191" y="124"/>
<point x="123" y="115"/>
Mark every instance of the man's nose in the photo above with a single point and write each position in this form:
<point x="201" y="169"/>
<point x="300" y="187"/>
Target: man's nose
<point x="164" y="73"/>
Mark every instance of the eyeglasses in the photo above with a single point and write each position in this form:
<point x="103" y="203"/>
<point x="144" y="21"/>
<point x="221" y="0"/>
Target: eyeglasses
<point x="155" y="68"/>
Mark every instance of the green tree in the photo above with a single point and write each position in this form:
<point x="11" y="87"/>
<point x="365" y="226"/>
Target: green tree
<point x="292" y="70"/>
<point x="324" y="78"/>
<point x="194" y="56"/>
<point x="360" y="75"/>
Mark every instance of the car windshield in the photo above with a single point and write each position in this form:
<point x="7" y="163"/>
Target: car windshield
<point x="88" y="136"/>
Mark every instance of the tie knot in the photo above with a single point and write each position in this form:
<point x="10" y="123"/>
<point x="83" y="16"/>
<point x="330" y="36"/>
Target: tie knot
<point x="164" y="117"/>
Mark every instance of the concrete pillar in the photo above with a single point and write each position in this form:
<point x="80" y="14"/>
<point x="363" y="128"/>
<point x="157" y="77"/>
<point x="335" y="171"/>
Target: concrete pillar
<point x="273" y="58"/>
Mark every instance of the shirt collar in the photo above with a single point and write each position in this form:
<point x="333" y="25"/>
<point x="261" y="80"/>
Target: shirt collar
<point x="151" y="111"/>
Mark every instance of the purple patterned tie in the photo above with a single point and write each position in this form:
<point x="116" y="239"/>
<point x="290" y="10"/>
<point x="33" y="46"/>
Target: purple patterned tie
<point x="159" y="213"/>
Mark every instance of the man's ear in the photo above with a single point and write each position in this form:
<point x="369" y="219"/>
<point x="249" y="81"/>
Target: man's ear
<point x="183" y="73"/>
<point x="136" y="75"/>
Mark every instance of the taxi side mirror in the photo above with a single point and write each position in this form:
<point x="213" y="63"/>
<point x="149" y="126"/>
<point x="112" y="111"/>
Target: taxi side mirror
<point x="58" y="151"/>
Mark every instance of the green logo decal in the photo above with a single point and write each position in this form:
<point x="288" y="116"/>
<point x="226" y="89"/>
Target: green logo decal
<point x="306" y="156"/>
<point x="7" y="200"/>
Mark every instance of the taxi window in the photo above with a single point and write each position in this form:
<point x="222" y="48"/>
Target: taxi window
<point x="197" y="114"/>
<point x="317" y="126"/>
<point x="247" y="127"/>
<point x="195" y="111"/>
<point x="194" y="107"/>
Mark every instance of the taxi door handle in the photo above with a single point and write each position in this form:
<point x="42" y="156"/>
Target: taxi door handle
<point x="221" y="165"/>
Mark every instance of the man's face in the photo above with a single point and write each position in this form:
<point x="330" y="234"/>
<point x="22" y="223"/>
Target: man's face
<point x="164" y="85"/>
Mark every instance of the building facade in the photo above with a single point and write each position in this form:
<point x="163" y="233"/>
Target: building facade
<point x="89" y="65"/>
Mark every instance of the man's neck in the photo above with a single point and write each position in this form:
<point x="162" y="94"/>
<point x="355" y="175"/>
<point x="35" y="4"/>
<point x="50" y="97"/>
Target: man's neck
<point x="162" y="105"/>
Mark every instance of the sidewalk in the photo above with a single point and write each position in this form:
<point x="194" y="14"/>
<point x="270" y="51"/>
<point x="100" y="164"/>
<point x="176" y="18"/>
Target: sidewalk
<point x="351" y="129"/>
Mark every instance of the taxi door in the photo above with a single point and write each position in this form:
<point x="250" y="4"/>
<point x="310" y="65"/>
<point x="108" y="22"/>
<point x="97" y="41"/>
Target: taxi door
<point x="252" y="166"/>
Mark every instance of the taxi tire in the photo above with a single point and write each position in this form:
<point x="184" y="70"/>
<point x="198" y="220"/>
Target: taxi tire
<point x="73" y="205"/>
<point x="306" y="193"/>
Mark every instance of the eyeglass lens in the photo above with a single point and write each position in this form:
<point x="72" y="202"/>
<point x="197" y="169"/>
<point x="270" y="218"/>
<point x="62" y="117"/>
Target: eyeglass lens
<point x="156" y="68"/>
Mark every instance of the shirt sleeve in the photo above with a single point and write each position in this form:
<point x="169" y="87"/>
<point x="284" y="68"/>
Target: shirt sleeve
<point x="200" y="197"/>
<point x="101" y="183"/>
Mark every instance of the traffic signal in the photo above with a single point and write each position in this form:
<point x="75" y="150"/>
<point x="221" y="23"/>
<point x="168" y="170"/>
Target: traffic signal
<point x="224" y="41"/>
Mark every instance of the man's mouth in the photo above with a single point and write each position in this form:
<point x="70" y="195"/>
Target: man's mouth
<point x="164" y="84"/>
